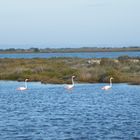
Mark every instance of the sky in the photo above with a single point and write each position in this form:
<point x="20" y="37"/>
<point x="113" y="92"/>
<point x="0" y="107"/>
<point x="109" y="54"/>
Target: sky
<point x="69" y="23"/>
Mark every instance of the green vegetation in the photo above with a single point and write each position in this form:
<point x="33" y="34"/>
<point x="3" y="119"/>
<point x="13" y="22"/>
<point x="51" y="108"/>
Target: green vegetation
<point x="60" y="70"/>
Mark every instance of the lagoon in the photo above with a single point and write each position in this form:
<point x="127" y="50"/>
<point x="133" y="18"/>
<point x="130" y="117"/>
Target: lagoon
<point x="50" y="112"/>
<point x="79" y="55"/>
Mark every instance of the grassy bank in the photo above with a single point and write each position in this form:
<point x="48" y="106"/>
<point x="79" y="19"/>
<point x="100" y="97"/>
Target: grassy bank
<point x="60" y="70"/>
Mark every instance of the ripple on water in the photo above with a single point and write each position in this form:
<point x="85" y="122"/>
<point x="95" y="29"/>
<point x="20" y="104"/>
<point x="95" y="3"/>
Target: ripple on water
<point x="50" y="112"/>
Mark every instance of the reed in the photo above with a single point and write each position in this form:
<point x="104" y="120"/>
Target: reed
<point x="60" y="70"/>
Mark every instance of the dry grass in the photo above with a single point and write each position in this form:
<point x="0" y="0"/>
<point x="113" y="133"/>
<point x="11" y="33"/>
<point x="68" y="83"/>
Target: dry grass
<point x="60" y="70"/>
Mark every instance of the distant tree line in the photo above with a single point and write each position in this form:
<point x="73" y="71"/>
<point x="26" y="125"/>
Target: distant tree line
<point x="68" y="50"/>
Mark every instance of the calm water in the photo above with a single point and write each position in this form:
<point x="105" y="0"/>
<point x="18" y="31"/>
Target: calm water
<point x="80" y="55"/>
<point x="49" y="112"/>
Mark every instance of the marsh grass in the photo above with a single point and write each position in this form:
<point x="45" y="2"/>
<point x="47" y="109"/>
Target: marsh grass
<point x="60" y="70"/>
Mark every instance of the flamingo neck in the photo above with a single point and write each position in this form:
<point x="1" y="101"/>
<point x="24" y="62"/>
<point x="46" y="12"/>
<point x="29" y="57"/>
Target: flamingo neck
<point x="72" y="81"/>
<point x="110" y="82"/>
<point x="25" y="84"/>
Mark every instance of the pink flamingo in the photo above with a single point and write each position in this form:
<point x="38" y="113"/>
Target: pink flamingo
<point x="108" y="86"/>
<point x="71" y="85"/>
<point x="25" y="87"/>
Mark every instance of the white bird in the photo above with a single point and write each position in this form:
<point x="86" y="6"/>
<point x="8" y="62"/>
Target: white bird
<point x="25" y="87"/>
<point x="108" y="86"/>
<point x="71" y="85"/>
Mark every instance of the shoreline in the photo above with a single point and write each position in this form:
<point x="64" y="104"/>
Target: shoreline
<point x="77" y="83"/>
<point x="68" y="50"/>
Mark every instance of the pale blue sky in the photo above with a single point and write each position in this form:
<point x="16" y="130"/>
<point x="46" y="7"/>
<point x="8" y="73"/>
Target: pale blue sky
<point x="70" y="23"/>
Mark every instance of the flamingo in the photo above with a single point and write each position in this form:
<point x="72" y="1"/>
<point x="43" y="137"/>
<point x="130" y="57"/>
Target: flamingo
<point x="25" y="87"/>
<point x="108" y="86"/>
<point x="71" y="85"/>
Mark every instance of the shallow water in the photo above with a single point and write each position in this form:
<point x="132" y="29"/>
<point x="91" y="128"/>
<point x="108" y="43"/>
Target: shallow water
<point x="50" y="112"/>
<point x="79" y="55"/>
